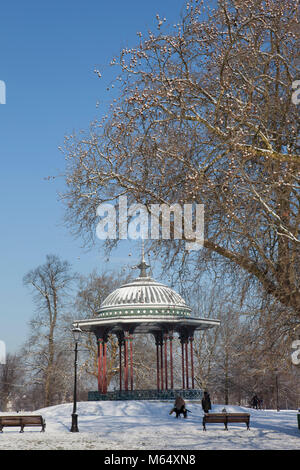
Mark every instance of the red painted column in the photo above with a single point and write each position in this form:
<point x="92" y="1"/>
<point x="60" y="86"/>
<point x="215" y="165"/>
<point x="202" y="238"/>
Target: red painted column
<point x="131" y="363"/>
<point x="104" y="383"/>
<point x="100" y="365"/>
<point x="182" y="364"/>
<point x="126" y="363"/>
<point x="120" y="363"/>
<point x="157" y="364"/>
<point x="192" y="361"/>
<point x="166" y="360"/>
<point x="171" y="361"/>
<point x="187" y="363"/>
<point x="161" y="365"/>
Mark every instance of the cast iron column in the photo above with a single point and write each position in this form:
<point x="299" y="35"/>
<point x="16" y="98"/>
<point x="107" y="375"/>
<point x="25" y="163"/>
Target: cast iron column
<point x="171" y="360"/>
<point x="126" y="362"/>
<point x="161" y="364"/>
<point x="104" y="381"/>
<point x="131" y="362"/>
<point x="100" y="380"/>
<point x="187" y="363"/>
<point x="192" y="361"/>
<point x="166" y="359"/>
<point x="157" y="362"/>
<point x="120" y="363"/>
<point x="182" y="364"/>
<point x="120" y="336"/>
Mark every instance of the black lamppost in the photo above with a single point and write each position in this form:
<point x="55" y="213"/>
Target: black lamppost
<point x="277" y="390"/>
<point x="76" y="334"/>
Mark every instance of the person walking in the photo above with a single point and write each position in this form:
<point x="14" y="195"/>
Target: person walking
<point x="255" y="402"/>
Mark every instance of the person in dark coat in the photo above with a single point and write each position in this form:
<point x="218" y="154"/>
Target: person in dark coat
<point x="255" y="402"/>
<point x="206" y="403"/>
<point x="179" y="407"/>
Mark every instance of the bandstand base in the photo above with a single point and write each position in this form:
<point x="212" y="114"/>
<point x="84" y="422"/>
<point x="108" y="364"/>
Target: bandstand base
<point x="190" y="394"/>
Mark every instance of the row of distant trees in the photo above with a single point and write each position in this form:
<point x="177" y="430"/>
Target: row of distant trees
<point x="248" y="354"/>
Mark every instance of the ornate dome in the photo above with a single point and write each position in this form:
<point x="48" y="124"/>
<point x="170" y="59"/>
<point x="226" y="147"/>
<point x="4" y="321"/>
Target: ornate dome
<point x="144" y="296"/>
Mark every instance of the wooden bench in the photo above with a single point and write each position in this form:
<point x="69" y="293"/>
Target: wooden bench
<point x="226" y="418"/>
<point x="22" y="421"/>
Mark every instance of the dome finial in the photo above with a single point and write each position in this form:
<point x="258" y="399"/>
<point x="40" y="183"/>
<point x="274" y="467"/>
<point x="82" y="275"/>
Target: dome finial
<point x="143" y="266"/>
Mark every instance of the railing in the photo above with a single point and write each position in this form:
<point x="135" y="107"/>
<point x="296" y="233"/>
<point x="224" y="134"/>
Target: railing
<point x="191" y="394"/>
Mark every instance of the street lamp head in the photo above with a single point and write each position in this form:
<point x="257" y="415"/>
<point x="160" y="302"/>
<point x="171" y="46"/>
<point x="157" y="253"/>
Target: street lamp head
<point x="76" y="333"/>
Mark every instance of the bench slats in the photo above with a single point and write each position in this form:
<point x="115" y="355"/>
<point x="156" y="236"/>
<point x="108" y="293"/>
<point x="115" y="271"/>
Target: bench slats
<point x="226" y="418"/>
<point x="22" y="421"/>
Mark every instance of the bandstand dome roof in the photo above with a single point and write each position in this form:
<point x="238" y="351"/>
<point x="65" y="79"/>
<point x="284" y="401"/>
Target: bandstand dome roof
<point x="144" y="305"/>
<point x="144" y="296"/>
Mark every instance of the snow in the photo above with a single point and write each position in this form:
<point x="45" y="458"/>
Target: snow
<point x="147" y="425"/>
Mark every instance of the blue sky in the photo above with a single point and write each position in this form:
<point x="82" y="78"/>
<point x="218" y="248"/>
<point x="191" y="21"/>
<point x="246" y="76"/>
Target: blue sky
<point x="49" y="50"/>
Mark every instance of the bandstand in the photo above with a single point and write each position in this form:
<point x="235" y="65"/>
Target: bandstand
<point x="145" y="306"/>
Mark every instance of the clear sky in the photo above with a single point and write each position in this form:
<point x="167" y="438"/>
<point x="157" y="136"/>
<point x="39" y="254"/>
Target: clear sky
<point x="49" y="50"/>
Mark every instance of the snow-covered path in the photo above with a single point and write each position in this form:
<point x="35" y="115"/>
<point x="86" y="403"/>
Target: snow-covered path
<point x="140" y="425"/>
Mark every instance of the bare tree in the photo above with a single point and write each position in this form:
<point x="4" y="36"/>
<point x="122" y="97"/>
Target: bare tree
<point x="205" y="115"/>
<point x="11" y="377"/>
<point x="47" y="349"/>
<point x="249" y="353"/>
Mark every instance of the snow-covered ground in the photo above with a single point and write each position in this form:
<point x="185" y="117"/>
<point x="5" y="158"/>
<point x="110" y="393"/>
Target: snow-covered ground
<point x="147" y="425"/>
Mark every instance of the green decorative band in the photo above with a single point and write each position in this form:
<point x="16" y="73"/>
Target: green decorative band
<point x="144" y="311"/>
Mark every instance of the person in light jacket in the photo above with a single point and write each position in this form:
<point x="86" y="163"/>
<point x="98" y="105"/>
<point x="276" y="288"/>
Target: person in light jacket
<point x="179" y="407"/>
